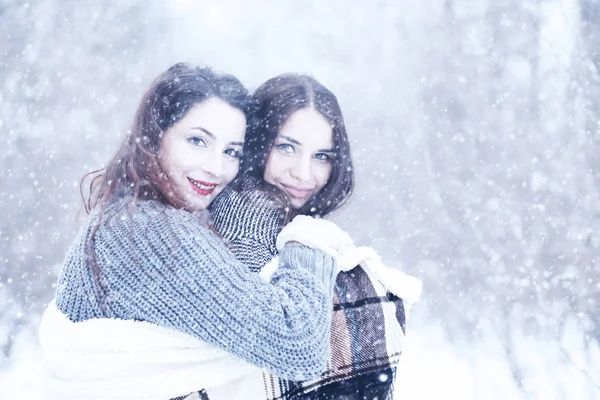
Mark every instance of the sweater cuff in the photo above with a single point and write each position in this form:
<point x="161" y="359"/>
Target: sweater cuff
<point x="314" y="261"/>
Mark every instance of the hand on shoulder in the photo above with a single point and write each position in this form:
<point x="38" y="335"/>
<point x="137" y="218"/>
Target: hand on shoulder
<point x="316" y="233"/>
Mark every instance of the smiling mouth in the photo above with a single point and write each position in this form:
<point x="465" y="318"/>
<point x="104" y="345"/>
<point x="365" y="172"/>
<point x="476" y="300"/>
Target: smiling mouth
<point x="297" y="193"/>
<point x="202" y="188"/>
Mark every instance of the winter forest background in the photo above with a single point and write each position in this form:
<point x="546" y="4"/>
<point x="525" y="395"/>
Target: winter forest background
<point x="475" y="131"/>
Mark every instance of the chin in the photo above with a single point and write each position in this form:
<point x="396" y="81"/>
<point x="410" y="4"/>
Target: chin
<point x="298" y="206"/>
<point x="198" y="205"/>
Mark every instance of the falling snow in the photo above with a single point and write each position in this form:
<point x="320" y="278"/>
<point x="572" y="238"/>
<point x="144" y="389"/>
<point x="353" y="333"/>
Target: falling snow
<point x="475" y="132"/>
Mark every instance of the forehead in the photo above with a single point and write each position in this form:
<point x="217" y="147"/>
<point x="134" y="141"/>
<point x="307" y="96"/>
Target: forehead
<point x="218" y="117"/>
<point x="310" y="128"/>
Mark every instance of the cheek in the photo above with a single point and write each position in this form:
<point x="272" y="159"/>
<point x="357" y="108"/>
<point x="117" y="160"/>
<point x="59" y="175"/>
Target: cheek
<point x="231" y="171"/>
<point x="176" y="157"/>
<point x="273" y="167"/>
<point x="322" y="175"/>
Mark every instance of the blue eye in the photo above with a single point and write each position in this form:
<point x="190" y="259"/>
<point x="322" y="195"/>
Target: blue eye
<point x="233" y="153"/>
<point x="196" y="141"/>
<point x="286" y="148"/>
<point x="322" y="156"/>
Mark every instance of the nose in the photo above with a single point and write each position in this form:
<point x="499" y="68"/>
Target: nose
<point x="301" y="170"/>
<point x="213" y="164"/>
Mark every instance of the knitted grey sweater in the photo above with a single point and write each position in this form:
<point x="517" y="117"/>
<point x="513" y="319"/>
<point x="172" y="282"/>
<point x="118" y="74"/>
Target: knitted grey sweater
<point x="166" y="267"/>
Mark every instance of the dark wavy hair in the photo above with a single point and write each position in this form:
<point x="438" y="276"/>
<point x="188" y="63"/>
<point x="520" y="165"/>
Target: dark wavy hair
<point x="135" y="170"/>
<point x="273" y="103"/>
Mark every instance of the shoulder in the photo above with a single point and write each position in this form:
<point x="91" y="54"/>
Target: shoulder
<point x="245" y="206"/>
<point x="250" y="195"/>
<point x="156" y="236"/>
<point x="146" y="217"/>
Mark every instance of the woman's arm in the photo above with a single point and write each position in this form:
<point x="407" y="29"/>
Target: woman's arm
<point x="177" y="273"/>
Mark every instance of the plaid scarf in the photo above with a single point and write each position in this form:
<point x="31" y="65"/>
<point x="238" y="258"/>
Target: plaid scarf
<point x="367" y="335"/>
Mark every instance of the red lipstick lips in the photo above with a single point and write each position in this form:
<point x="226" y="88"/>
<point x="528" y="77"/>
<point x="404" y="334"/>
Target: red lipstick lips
<point x="202" y="188"/>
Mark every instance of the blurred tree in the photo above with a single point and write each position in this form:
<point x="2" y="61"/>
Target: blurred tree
<point x="68" y="73"/>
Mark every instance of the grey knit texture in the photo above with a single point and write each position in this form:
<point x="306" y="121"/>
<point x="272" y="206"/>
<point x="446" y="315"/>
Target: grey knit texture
<point x="166" y="267"/>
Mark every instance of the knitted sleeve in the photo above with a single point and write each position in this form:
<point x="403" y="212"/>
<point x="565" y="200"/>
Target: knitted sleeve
<point x="166" y="267"/>
<point x="249" y="221"/>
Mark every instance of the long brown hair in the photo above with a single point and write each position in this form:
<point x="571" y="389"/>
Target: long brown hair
<point x="135" y="169"/>
<point x="273" y="103"/>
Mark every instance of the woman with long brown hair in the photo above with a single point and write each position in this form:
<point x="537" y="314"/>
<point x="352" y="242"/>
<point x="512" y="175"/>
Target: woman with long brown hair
<point x="297" y="161"/>
<point x="147" y="253"/>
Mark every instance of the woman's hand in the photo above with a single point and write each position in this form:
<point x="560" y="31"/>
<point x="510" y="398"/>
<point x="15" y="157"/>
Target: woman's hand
<point x="316" y="233"/>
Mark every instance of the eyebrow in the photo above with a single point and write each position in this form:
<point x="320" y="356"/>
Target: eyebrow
<point x="212" y="135"/>
<point x="289" y="139"/>
<point x="209" y="133"/>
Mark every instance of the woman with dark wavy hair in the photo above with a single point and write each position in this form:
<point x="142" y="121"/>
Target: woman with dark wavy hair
<point x="147" y="259"/>
<point x="297" y="161"/>
<point x="317" y="175"/>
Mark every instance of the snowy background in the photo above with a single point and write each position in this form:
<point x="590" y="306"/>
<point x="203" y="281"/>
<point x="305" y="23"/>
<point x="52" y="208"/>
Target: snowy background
<point x="476" y="135"/>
